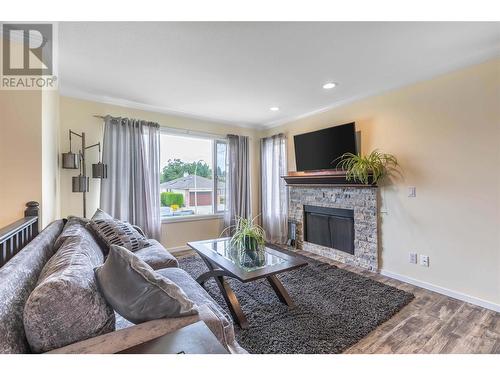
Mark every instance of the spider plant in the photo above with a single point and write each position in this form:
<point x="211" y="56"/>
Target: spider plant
<point x="247" y="234"/>
<point x="359" y="168"/>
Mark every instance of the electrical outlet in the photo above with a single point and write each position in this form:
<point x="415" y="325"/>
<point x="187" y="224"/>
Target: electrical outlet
<point x="412" y="191"/>
<point x="413" y="258"/>
<point x="424" y="260"/>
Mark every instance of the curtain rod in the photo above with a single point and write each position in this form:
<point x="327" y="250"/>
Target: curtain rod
<point x="181" y="131"/>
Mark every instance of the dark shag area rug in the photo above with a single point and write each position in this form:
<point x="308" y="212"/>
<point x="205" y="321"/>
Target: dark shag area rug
<point x="334" y="308"/>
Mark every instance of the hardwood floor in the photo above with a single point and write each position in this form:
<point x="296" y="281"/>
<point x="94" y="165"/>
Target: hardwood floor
<point x="431" y="323"/>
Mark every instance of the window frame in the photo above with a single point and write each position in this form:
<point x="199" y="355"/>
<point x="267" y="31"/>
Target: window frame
<point x="215" y="139"/>
<point x="215" y="177"/>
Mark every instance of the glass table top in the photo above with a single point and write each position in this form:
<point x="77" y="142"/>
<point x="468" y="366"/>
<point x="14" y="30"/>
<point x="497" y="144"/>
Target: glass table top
<point x="245" y="260"/>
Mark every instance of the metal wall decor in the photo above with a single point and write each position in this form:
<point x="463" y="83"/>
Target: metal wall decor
<point x="70" y="160"/>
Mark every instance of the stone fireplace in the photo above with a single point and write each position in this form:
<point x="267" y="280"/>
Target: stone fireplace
<point x="336" y="222"/>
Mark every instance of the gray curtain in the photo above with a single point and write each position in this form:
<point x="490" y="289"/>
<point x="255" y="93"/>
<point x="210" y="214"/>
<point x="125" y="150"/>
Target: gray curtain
<point x="238" y="179"/>
<point x="274" y="200"/>
<point x="131" y="149"/>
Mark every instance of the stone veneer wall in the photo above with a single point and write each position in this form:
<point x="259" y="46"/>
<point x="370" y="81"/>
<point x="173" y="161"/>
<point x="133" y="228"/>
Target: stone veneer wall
<point x="363" y="200"/>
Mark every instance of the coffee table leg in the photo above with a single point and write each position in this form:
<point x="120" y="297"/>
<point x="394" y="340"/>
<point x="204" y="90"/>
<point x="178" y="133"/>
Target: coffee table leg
<point x="212" y="272"/>
<point x="280" y="290"/>
<point x="207" y="275"/>
<point x="232" y="302"/>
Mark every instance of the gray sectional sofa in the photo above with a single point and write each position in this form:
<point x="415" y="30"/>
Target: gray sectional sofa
<point x="49" y="300"/>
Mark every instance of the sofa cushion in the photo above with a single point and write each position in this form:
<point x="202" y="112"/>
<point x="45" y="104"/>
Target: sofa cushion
<point x="18" y="278"/>
<point x="66" y="305"/>
<point x="75" y="229"/>
<point x="116" y="232"/>
<point x="157" y="256"/>
<point x="137" y="292"/>
<point x="75" y="226"/>
<point x="220" y="323"/>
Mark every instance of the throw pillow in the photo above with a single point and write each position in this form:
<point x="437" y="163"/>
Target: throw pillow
<point x="116" y="232"/>
<point x="137" y="292"/>
<point x="74" y="226"/>
<point x="66" y="305"/>
<point x="100" y="214"/>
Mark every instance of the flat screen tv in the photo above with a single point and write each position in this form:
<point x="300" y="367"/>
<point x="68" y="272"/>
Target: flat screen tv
<point x="317" y="150"/>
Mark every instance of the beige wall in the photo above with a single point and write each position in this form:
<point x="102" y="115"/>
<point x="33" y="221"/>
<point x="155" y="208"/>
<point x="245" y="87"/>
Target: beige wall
<point x="20" y="152"/>
<point x="50" y="205"/>
<point x="174" y="236"/>
<point x="29" y="131"/>
<point x="446" y="135"/>
<point x="77" y="114"/>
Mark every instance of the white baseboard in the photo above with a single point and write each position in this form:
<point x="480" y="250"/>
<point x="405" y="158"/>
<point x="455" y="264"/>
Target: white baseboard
<point x="178" y="249"/>
<point x="447" y="292"/>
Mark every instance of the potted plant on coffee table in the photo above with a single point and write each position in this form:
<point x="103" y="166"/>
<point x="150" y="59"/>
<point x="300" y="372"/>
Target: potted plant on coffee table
<point x="247" y="234"/>
<point x="247" y="242"/>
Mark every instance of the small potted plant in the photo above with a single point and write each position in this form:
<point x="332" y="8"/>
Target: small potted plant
<point x="247" y="234"/>
<point x="368" y="169"/>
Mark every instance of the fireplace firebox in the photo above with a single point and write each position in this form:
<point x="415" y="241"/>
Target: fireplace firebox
<point x="329" y="227"/>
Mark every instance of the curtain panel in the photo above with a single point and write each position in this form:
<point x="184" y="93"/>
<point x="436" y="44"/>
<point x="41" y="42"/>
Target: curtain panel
<point x="131" y="148"/>
<point x="238" y="180"/>
<point x="274" y="200"/>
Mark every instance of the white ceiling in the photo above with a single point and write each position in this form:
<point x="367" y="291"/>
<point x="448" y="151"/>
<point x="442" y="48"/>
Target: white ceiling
<point x="235" y="71"/>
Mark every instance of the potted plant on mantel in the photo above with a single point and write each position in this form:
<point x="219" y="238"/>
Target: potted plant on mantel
<point x="368" y="169"/>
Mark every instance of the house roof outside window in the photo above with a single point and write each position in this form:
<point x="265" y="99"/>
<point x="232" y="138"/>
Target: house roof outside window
<point x="188" y="183"/>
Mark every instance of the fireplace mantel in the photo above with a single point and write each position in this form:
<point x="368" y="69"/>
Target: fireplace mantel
<point x="322" y="178"/>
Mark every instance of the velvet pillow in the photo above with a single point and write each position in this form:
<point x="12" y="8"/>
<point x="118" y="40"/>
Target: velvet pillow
<point x="100" y="214"/>
<point x="74" y="227"/>
<point x="137" y="292"/>
<point x="66" y="306"/>
<point x="116" y="232"/>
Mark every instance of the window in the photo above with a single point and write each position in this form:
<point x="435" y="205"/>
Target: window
<point x="192" y="175"/>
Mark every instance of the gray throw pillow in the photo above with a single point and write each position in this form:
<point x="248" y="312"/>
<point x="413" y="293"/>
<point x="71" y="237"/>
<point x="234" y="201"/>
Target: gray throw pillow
<point x="66" y="306"/>
<point x="100" y="214"/>
<point x="115" y="232"/>
<point x="137" y="292"/>
<point x="74" y="227"/>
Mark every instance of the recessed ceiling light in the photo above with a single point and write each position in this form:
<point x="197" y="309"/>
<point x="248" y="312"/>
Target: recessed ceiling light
<point x="274" y="109"/>
<point x="329" y="85"/>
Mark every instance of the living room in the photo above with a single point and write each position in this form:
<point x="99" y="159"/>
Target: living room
<point x="250" y="187"/>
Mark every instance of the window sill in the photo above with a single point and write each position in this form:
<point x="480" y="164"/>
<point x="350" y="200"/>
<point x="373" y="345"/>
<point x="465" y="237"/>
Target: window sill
<point x="177" y="219"/>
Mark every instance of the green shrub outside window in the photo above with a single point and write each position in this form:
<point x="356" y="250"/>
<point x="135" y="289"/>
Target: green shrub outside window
<point x="168" y="199"/>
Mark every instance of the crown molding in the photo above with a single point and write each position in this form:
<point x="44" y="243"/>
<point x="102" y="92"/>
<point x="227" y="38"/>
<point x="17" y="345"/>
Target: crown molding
<point x="71" y="92"/>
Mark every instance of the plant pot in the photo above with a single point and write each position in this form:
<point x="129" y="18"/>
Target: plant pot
<point x="251" y="244"/>
<point x="256" y="258"/>
<point x="249" y="258"/>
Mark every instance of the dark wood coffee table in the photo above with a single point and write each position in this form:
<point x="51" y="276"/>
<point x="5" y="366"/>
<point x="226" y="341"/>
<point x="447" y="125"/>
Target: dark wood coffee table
<point x="224" y="261"/>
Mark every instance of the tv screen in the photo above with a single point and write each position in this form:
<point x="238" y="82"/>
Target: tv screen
<point x="317" y="150"/>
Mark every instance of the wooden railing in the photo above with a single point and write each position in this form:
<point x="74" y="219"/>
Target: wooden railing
<point x="17" y="235"/>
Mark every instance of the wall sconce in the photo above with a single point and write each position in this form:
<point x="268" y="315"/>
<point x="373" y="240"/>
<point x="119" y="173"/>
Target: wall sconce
<point x="80" y="184"/>
<point x="70" y="160"/>
<point x="99" y="170"/>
